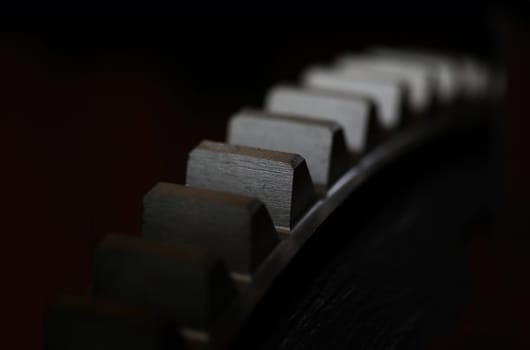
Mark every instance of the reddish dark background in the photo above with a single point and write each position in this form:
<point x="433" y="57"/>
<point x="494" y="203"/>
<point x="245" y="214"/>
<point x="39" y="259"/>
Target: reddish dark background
<point x="92" y="119"/>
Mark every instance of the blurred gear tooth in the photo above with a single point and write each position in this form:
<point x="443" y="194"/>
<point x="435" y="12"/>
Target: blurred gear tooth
<point x="236" y="228"/>
<point x="178" y="282"/>
<point x="355" y="114"/>
<point x="388" y="94"/>
<point x="420" y="79"/>
<point x="477" y="78"/>
<point x="79" y="323"/>
<point x="446" y="70"/>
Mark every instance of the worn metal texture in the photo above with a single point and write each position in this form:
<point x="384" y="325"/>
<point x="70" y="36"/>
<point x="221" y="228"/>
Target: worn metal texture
<point x="281" y="180"/>
<point x="321" y="143"/>
<point x="236" y="228"/>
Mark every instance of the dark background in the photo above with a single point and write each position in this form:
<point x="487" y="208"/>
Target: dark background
<point x="100" y="100"/>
